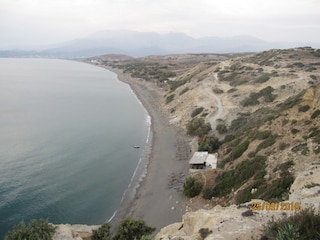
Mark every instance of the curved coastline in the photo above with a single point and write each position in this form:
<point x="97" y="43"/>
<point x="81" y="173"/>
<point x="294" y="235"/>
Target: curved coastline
<point x="148" y="196"/>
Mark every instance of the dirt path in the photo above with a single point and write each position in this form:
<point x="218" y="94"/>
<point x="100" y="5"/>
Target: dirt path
<point x="207" y="88"/>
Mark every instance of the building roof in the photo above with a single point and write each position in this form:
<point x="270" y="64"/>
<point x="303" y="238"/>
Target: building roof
<point x="212" y="161"/>
<point x="198" y="158"/>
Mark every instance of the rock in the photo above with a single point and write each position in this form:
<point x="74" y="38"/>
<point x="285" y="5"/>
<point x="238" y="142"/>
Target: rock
<point x="224" y="222"/>
<point x="74" y="232"/>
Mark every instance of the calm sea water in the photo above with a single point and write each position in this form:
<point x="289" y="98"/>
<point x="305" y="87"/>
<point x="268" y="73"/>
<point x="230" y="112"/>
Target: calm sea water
<point x="67" y="131"/>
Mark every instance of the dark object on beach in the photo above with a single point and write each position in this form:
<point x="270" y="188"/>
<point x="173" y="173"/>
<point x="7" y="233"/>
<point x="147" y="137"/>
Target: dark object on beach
<point x="247" y="213"/>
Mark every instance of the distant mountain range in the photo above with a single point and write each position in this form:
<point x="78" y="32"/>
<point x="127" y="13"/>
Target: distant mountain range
<point x="138" y="44"/>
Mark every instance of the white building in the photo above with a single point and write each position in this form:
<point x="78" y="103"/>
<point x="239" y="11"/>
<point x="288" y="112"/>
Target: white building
<point x="201" y="160"/>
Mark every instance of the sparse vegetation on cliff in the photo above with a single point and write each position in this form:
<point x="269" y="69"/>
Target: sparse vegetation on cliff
<point x="302" y="225"/>
<point x="35" y="230"/>
<point x="192" y="187"/>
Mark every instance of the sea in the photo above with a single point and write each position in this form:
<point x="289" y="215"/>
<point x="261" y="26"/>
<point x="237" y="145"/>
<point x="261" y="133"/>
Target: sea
<point x="68" y="132"/>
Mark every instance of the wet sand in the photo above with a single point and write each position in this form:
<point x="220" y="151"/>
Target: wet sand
<point x="158" y="199"/>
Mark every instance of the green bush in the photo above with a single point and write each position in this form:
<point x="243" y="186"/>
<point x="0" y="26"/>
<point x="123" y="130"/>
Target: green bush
<point x="286" y="165"/>
<point x="265" y="77"/>
<point x="208" y="193"/>
<point x="315" y="114"/>
<point x="217" y="90"/>
<point x="210" y="143"/>
<point x="102" y="233"/>
<point x="204" y="232"/>
<point x="294" y="131"/>
<point x="169" y="98"/>
<point x="301" y="226"/>
<point x="197" y="127"/>
<point x="175" y="84"/>
<point x="267" y="143"/>
<point x="244" y="195"/>
<point x="184" y="91"/>
<point x="221" y="128"/>
<point x="278" y="190"/>
<point x="234" y="178"/>
<point x="196" y="111"/>
<point x="251" y="100"/>
<point x="36" y="230"/>
<point x="192" y="187"/>
<point x="240" y="149"/>
<point x="304" y="108"/>
<point x="283" y="146"/>
<point x="261" y="135"/>
<point x="131" y="229"/>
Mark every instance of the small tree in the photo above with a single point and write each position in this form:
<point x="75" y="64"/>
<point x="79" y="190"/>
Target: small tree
<point x="198" y="127"/>
<point x="131" y="229"/>
<point x="37" y="229"/>
<point x="192" y="187"/>
<point x="221" y="128"/>
<point x="210" y="143"/>
<point x="102" y="233"/>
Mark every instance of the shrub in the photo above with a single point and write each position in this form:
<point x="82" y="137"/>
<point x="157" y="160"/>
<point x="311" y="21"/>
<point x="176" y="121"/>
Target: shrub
<point x="192" y="187"/>
<point x="286" y="165"/>
<point x="228" y="138"/>
<point x="207" y="193"/>
<point x="236" y="177"/>
<point x="217" y="90"/>
<point x="265" y="77"/>
<point x="131" y="229"/>
<point x="196" y="111"/>
<point x="197" y="127"/>
<point x="240" y="149"/>
<point x="221" y="128"/>
<point x="169" y="98"/>
<point x="294" y="131"/>
<point x="261" y="135"/>
<point x="301" y="225"/>
<point x="304" y="108"/>
<point x="102" y="233"/>
<point x="244" y="195"/>
<point x="251" y="100"/>
<point x="210" y="143"/>
<point x="175" y="84"/>
<point x="37" y="229"/>
<point x="315" y="114"/>
<point x="184" y="91"/>
<point x="204" y="232"/>
<point x="283" y="146"/>
<point x="277" y="190"/>
<point x="266" y="143"/>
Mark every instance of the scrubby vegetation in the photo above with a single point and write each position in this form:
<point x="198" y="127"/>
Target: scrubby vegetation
<point x="192" y="187"/>
<point x="210" y="143"/>
<point x="253" y="98"/>
<point x="129" y="229"/>
<point x="36" y="230"/>
<point x="302" y="225"/>
<point x="234" y="178"/>
<point x="196" y="111"/>
<point x="197" y="127"/>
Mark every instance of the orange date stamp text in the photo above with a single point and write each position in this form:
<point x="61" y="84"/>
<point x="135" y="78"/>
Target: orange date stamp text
<point x="275" y="206"/>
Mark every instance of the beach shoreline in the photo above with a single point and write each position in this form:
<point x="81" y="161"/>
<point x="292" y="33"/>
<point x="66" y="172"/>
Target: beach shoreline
<point x="152" y="200"/>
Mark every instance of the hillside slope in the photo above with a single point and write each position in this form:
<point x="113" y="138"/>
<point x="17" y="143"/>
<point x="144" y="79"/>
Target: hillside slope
<point x="265" y="110"/>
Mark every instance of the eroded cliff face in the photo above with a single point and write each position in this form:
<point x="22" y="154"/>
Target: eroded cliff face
<point x="239" y="222"/>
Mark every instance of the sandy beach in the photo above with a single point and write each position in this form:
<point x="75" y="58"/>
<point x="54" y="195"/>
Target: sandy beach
<point x="155" y="201"/>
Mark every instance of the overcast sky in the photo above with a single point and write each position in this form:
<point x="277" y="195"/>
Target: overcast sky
<point x="41" y="22"/>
